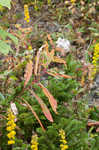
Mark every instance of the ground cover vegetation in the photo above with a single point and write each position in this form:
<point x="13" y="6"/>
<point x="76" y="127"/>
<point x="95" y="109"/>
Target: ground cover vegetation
<point x="49" y="75"/>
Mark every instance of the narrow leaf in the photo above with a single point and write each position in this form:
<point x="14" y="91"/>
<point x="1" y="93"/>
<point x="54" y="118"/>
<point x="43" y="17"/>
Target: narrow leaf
<point x="52" y="100"/>
<point x="97" y="130"/>
<point x="61" y="50"/>
<point x="55" y="74"/>
<point x="37" y="59"/>
<point x="34" y="113"/>
<point x="50" y="39"/>
<point x="64" y="76"/>
<point x="13" y="38"/>
<point x="28" y="72"/>
<point x="59" y="60"/>
<point x="50" y="56"/>
<point x="1" y="96"/>
<point x="96" y="123"/>
<point x="43" y="106"/>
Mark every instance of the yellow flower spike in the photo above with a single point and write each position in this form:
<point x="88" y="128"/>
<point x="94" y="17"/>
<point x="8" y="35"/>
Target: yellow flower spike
<point x="34" y="142"/>
<point x="93" y="135"/>
<point x="66" y="2"/>
<point x="26" y="13"/>
<point x="10" y="142"/>
<point x="73" y="1"/>
<point x="97" y="47"/>
<point x="11" y="123"/>
<point x="49" y="2"/>
<point x="11" y="127"/>
<point x="63" y="141"/>
<point x="30" y="47"/>
<point x="11" y="134"/>
<point x="27" y="20"/>
<point x="63" y="147"/>
<point x="95" y="59"/>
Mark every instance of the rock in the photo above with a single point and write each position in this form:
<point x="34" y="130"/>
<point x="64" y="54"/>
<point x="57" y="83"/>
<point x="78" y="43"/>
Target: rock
<point x="94" y="92"/>
<point x="97" y="79"/>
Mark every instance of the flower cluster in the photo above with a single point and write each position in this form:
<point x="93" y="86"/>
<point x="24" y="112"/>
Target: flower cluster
<point x="64" y="145"/>
<point x="29" y="47"/>
<point x="34" y="143"/>
<point x="70" y="2"/>
<point x="73" y="1"/>
<point x="95" y="58"/>
<point x="26" y="13"/>
<point x="11" y="127"/>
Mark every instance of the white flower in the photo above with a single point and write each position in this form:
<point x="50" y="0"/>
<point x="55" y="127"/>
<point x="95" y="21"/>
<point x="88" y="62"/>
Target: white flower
<point x="63" y="43"/>
<point x="14" y="108"/>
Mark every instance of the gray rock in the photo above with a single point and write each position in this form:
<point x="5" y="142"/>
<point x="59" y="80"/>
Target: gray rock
<point x="94" y="92"/>
<point x="97" y="79"/>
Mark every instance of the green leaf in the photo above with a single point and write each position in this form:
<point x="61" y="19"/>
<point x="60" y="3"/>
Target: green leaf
<point x="68" y="26"/>
<point x="4" y="48"/>
<point x="4" y="34"/>
<point x="1" y="96"/>
<point x="5" y="3"/>
<point x="13" y="38"/>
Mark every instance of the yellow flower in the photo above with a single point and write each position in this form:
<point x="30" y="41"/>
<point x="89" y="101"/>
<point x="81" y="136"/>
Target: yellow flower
<point x="49" y="2"/>
<point x="11" y="127"/>
<point x="93" y="135"/>
<point x="66" y="2"/>
<point x="34" y="143"/>
<point x="1" y="8"/>
<point x="26" y="13"/>
<point x="10" y="142"/>
<point x="95" y="59"/>
<point x="63" y="141"/>
<point x="11" y="123"/>
<point x="10" y="116"/>
<point x="63" y="147"/>
<point x="73" y="1"/>
<point x="11" y="135"/>
<point x="30" y="47"/>
<point x="97" y="47"/>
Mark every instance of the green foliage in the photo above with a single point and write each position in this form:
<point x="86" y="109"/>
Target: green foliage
<point x="4" y="47"/>
<point x="94" y="114"/>
<point x="73" y="110"/>
<point x="75" y="128"/>
<point x="5" y="3"/>
<point x="63" y="89"/>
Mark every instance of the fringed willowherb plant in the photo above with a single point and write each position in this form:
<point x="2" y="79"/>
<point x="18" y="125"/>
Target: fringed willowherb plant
<point x="38" y="69"/>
